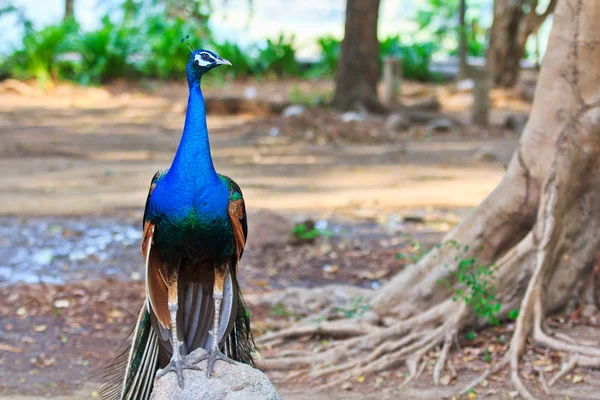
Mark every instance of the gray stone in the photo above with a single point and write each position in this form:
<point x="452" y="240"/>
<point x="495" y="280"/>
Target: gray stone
<point x="294" y="110"/>
<point x="268" y="229"/>
<point x="527" y="90"/>
<point x="397" y="122"/>
<point x="516" y="122"/>
<point x="485" y="156"/>
<point x="465" y="85"/>
<point x="230" y="382"/>
<point x="352" y="116"/>
<point x="441" y="125"/>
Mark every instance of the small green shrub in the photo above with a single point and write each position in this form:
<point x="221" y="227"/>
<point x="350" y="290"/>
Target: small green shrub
<point x="40" y="54"/>
<point x="278" y="57"/>
<point x="416" y="58"/>
<point x="308" y="231"/>
<point x="310" y="99"/>
<point x="105" y="53"/>
<point x="330" y="57"/>
<point x="164" y="56"/>
<point x="472" y="283"/>
<point x="242" y="63"/>
<point x="357" y="308"/>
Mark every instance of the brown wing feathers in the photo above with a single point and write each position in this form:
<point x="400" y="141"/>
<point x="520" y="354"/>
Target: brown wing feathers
<point x="156" y="275"/>
<point x="236" y="214"/>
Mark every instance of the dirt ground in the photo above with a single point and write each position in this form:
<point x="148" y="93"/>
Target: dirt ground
<point x="78" y="163"/>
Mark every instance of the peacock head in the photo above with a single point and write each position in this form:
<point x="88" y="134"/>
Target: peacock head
<point x="202" y="61"/>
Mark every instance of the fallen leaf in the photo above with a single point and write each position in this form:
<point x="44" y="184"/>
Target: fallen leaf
<point x="446" y="379"/>
<point x="577" y="379"/>
<point x="62" y="303"/>
<point x="360" y="379"/>
<point x="116" y="314"/>
<point x="8" y="347"/>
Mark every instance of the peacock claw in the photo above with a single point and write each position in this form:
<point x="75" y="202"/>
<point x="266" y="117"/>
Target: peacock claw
<point x="177" y="366"/>
<point x="211" y="357"/>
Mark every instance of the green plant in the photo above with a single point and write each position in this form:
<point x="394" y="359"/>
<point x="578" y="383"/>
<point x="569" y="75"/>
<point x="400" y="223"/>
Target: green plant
<point x="242" y="64"/>
<point x="356" y="310"/>
<point x="416" y="57"/>
<point x="39" y="56"/>
<point x="308" y="231"/>
<point x="314" y="98"/>
<point x="105" y="53"/>
<point x="330" y="57"/>
<point x="278" y="57"/>
<point x="416" y="250"/>
<point x="164" y="57"/>
<point x="472" y="283"/>
<point x="279" y="310"/>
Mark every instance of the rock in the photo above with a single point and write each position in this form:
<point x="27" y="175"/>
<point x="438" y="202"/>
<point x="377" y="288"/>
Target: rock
<point x="352" y="116"/>
<point x="301" y="301"/>
<point x="465" y="85"/>
<point x="527" y="90"/>
<point x="230" y="382"/>
<point x="269" y="229"/>
<point x="250" y="92"/>
<point x="440" y="125"/>
<point x="516" y="122"/>
<point x="397" y="122"/>
<point x="294" y="110"/>
<point x="485" y="156"/>
<point x="430" y="104"/>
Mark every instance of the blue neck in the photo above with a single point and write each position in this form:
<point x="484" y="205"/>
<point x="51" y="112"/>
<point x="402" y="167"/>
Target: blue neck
<point x="193" y="159"/>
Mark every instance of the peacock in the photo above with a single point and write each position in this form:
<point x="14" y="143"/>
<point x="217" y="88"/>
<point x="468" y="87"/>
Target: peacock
<point x="194" y="232"/>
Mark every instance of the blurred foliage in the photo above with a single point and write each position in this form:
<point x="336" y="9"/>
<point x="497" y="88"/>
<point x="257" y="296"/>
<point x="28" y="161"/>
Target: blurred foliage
<point x="40" y="55"/>
<point x="242" y="63"/>
<point x="278" y="57"/>
<point x="416" y="57"/>
<point x="330" y="56"/>
<point x="104" y="53"/>
<point x="307" y="98"/>
<point x="145" y="43"/>
<point x="440" y="17"/>
<point x="163" y="56"/>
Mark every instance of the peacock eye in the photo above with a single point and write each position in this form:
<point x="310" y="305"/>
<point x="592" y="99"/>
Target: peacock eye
<point x="205" y="57"/>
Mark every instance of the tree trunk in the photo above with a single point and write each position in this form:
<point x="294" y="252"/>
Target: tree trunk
<point x="514" y="22"/>
<point x="358" y="71"/>
<point x="69" y="9"/>
<point x="539" y="229"/>
<point x="462" y="41"/>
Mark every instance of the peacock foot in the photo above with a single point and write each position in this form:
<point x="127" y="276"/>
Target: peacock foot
<point x="177" y="365"/>
<point x="212" y="356"/>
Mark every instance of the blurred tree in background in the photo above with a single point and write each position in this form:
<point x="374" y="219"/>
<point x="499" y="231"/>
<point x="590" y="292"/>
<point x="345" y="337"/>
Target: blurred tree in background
<point x="358" y="70"/>
<point x="514" y="22"/>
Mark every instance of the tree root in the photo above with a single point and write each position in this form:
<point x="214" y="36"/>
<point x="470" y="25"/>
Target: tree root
<point x="574" y="362"/>
<point x="378" y="350"/>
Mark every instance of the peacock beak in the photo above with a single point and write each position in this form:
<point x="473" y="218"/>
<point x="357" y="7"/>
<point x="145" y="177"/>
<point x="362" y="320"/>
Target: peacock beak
<point x="222" y="61"/>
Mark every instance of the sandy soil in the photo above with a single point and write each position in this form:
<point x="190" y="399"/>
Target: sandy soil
<point x="90" y="150"/>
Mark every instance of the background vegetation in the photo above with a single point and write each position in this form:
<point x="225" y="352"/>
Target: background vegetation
<point x="145" y="43"/>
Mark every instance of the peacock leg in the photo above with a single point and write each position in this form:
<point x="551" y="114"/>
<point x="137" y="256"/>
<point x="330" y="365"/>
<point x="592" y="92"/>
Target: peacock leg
<point x="177" y="363"/>
<point x="214" y="353"/>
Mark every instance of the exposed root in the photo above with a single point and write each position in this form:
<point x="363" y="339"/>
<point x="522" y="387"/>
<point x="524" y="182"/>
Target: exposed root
<point x="441" y="362"/>
<point x="336" y="329"/>
<point x="574" y="362"/>
<point x="495" y="368"/>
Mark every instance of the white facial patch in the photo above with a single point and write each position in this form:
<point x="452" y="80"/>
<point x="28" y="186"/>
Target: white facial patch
<point x="203" y="63"/>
